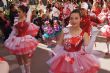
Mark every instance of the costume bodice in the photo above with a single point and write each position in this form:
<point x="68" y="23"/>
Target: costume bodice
<point x="22" y="28"/>
<point x="73" y="43"/>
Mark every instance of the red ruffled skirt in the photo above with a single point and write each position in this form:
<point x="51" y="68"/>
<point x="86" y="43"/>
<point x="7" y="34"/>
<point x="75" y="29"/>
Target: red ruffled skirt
<point x="73" y="62"/>
<point x="21" y="45"/>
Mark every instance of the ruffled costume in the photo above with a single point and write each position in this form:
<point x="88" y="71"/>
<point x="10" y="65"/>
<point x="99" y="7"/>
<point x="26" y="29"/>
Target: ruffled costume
<point x="21" y="40"/>
<point x="72" y="58"/>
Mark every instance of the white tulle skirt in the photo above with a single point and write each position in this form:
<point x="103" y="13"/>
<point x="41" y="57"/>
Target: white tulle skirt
<point x="73" y="62"/>
<point x="21" y="45"/>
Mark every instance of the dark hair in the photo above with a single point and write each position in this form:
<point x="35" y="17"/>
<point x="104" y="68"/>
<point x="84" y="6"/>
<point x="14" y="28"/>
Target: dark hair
<point x="23" y="8"/>
<point x="76" y="11"/>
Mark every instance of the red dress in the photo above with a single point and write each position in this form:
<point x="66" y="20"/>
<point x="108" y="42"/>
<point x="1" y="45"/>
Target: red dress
<point x="72" y="58"/>
<point x="21" y="42"/>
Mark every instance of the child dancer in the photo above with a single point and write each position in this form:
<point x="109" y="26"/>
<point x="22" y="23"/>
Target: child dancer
<point x="70" y="56"/>
<point x="89" y="20"/>
<point x="96" y="8"/>
<point x="105" y="30"/>
<point x="20" y="42"/>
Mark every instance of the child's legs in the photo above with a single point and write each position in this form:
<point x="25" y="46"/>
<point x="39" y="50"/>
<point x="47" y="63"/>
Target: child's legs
<point x="26" y="59"/>
<point x="20" y="59"/>
<point x="4" y="67"/>
<point x="26" y="63"/>
<point x="21" y="63"/>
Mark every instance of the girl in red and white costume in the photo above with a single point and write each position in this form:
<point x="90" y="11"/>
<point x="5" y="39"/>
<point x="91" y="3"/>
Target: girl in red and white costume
<point x="70" y="56"/>
<point x="4" y="67"/>
<point x="104" y="12"/>
<point x="68" y="7"/>
<point x="75" y="5"/>
<point x="21" y="41"/>
<point x="96" y="8"/>
<point x="105" y="18"/>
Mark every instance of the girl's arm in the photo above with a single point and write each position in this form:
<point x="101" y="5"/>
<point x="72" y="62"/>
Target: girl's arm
<point x="59" y="43"/>
<point x="61" y="39"/>
<point x="45" y="47"/>
<point x="86" y="39"/>
<point x="13" y="32"/>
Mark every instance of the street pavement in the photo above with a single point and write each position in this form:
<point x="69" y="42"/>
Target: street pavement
<point x="41" y="56"/>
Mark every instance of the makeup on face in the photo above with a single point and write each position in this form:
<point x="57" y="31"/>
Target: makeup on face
<point x="75" y="19"/>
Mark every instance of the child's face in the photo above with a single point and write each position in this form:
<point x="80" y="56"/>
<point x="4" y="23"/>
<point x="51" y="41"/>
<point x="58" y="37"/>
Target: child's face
<point x="56" y="4"/>
<point x="21" y="13"/>
<point x="96" y="4"/>
<point x="75" y="19"/>
<point x="83" y="11"/>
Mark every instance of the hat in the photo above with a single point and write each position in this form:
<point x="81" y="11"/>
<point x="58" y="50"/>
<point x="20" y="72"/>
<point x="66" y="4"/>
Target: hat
<point x="84" y="5"/>
<point x="1" y="8"/>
